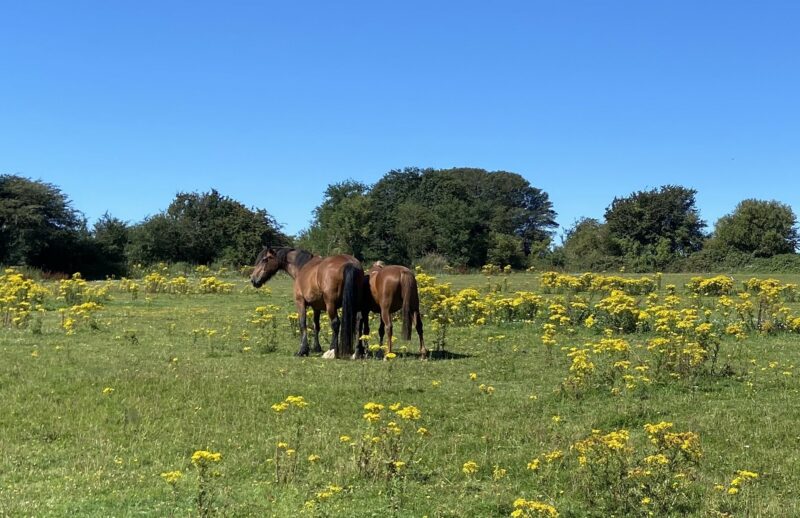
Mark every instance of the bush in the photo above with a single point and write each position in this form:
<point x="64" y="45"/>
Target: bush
<point x="433" y="263"/>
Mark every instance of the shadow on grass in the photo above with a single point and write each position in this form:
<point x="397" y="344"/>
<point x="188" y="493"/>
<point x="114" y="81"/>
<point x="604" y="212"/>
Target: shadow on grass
<point x="443" y="354"/>
<point x="432" y="355"/>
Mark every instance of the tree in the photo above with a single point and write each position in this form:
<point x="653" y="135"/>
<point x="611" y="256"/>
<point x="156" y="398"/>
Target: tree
<point x="459" y="213"/>
<point x="341" y="223"/>
<point x="38" y="226"/>
<point x="757" y="227"/>
<point x="652" y="227"/>
<point x="506" y="249"/>
<point x="111" y="238"/>
<point x="387" y="196"/>
<point x="201" y="228"/>
<point x="587" y="246"/>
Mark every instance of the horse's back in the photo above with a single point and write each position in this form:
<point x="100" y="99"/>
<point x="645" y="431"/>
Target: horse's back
<point x="329" y="274"/>
<point x="386" y="287"/>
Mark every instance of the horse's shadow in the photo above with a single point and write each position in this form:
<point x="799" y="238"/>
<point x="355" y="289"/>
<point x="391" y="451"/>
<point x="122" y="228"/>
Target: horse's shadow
<point x="436" y="355"/>
<point x="443" y="354"/>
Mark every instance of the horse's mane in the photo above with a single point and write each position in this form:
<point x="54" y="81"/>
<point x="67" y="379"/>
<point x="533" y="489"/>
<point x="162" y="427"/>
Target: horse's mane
<point x="302" y="257"/>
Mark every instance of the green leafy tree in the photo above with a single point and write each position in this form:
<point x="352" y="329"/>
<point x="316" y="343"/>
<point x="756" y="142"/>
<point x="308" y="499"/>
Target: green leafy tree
<point x="506" y="249"/>
<point x="201" y="228"/>
<point x="587" y="246"/>
<point x="758" y="227"/>
<point x="462" y="214"/>
<point x="391" y="225"/>
<point x="341" y="223"/>
<point x="111" y="238"/>
<point x="38" y="226"/>
<point x="652" y="228"/>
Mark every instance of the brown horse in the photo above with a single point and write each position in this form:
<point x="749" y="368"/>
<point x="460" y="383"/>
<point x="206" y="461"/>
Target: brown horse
<point x="321" y="284"/>
<point x="392" y="288"/>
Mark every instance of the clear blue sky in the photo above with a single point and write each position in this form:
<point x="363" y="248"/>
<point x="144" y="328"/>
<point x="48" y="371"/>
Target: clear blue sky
<point x="124" y="104"/>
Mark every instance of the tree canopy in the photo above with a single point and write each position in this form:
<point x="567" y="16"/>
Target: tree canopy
<point x="655" y="226"/>
<point x="462" y="217"/>
<point x="757" y="227"/>
<point x="201" y="228"/>
<point x="467" y="215"/>
<point x="38" y="226"/>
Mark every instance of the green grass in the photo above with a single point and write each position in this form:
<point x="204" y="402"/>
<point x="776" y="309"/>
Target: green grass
<point x="67" y="449"/>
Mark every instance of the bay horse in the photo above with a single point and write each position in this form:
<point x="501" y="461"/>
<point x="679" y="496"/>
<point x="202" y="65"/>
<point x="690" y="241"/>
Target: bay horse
<point x="322" y="284"/>
<point x="393" y="288"/>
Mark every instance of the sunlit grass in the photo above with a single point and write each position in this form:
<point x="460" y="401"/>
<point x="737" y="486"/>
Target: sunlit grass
<point x="70" y="446"/>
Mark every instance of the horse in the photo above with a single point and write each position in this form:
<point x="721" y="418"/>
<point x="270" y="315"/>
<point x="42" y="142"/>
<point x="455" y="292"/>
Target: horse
<point x="322" y="284"/>
<point x="392" y="288"/>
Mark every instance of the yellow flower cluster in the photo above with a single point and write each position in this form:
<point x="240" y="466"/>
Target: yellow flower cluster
<point x="409" y="413"/>
<point x="623" y="479"/>
<point x="322" y="496"/>
<point x="530" y="508"/>
<point x="742" y="477"/>
<point x="158" y="282"/>
<point x="597" y="447"/>
<point x="19" y="297"/>
<point x="674" y="443"/>
<point x="80" y="315"/>
<point x="469" y="307"/>
<point x="373" y="412"/>
<point x="214" y="285"/>
<point x="554" y="282"/>
<point x="619" y="311"/>
<point x="264" y="316"/>
<point x="202" y="458"/>
<point x="172" y="477"/>
<point x="290" y="401"/>
<point x="716" y="286"/>
<point x="76" y="290"/>
<point x="470" y="468"/>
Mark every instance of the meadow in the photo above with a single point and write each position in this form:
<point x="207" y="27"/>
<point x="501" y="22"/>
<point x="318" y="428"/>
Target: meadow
<point x="175" y="394"/>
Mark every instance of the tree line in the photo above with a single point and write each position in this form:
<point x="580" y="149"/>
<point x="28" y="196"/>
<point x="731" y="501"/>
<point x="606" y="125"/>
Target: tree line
<point x="40" y="228"/>
<point x="462" y="217"/>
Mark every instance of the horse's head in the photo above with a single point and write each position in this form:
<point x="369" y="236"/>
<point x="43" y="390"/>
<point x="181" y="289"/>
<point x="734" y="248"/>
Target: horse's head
<point x="377" y="265"/>
<point x="267" y="265"/>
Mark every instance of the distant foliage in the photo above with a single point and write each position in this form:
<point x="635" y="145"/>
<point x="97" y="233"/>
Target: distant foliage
<point x="37" y="223"/>
<point x="202" y="228"/>
<point x="652" y="228"/>
<point x="758" y="228"/>
<point x="449" y="220"/>
<point x="39" y="228"/>
<point x="466" y="215"/>
<point x="341" y="223"/>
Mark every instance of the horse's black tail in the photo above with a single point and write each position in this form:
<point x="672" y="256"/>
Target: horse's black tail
<point x="408" y="286"/>
<point x="351" y="287"/>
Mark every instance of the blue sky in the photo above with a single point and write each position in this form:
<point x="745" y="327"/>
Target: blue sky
<point x="124" y="104"/>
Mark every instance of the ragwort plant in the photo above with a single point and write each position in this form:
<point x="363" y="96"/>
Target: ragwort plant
<point x="615" y="476"/>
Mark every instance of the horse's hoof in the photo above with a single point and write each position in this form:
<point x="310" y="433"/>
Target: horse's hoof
<point x="329" y="354"/>
<point x="301" y="353"/>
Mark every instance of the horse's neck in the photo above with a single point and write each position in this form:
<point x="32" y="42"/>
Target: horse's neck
<point x="291" y="267"/>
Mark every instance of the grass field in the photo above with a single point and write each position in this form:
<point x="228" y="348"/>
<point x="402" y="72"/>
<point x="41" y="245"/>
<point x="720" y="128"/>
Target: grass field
<point x="89" y="421"/>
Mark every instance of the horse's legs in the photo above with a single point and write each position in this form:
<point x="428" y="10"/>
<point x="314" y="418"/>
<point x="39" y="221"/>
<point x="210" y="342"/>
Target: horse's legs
<point x="423" y="352"/>
<point x="362" y="325"/>
<point x="386" y="319"/>
<point x="316" y="348"/>
<point x="381" y="332"/>
<point x="301" y="314"/>
<point x="333" y="315"/>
